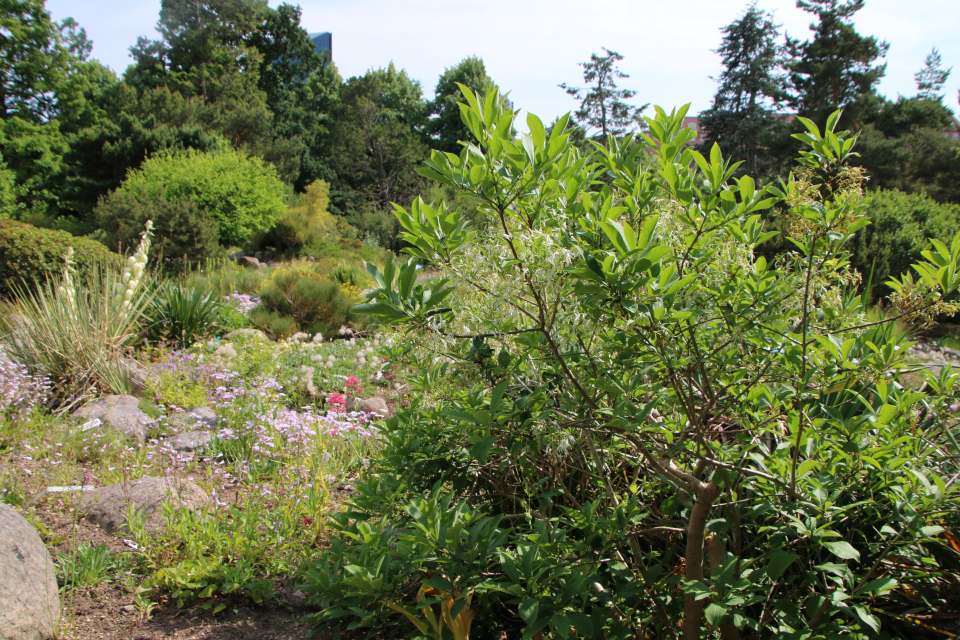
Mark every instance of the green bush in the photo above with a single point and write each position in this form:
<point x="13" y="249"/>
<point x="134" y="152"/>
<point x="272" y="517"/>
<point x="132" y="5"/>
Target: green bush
<point x="184" y="236"/>
<point x="315" y="304"/>
<point x="902" y="225"/>
<point x="640" y="425"/>
<point x="242" y="195"/>
<point x="304" y="224"/>
<point x="28" y="255"/>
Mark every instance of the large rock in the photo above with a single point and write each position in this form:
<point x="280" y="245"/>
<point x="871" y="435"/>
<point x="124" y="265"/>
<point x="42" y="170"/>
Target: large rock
<point x="198" y="417"/>
<point x="121" y="413"/>
<point x="370" y="405"/>
<point x="29" y="600"/>
<point x="249" y="262"/>
<point x="108" y="506"/>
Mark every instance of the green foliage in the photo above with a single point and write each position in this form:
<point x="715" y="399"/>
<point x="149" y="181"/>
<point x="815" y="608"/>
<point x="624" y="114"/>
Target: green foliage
<point x="377" y="145"/>
<point x="903" y="146"/>
<point x="29" y="255"/>
<point x="34" y="153"/>
<point x="836" y="68"/>
<point x="36" y="57"/>
<point x="180" y="315"/>
<point x="313" y="303"/>
<point x="223" y="277"/>
<point x="641" y="425"/>
<point x="75" y="328"/>
<point x="86" y="566"/>
<point x="447" y="128"/>
<point x="742" y="115"/>
<point x="932" y="77"/>
<point x="8" y="194"/>
<point x="901" y="228"/>
<point x="240" y="194"/>
<point x="303" y="225"/>
<point x="602" y="106"/>
<point x="186" y="236"/>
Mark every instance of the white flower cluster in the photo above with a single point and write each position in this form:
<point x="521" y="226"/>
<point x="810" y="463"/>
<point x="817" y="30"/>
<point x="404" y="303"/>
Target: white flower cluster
<point x="67" y="287"/>
<point x="133" y="270"/>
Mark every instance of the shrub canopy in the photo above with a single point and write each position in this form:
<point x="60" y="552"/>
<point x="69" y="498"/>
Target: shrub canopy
<point x="240" y="194"/>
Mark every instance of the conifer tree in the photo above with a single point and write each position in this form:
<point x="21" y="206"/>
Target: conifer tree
<point x="932" y="77"/>
<point x="749" y="89"/>
<point x="837" y="68"/>
<point x="602" y="106"/>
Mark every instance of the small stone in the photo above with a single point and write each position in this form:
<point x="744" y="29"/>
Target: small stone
<point x="372" y="405"/>
<point x="129" y="608"/>
<point x="195" y="417"/>
<point x="191" y="441"/>
<point x="121" y="413"/>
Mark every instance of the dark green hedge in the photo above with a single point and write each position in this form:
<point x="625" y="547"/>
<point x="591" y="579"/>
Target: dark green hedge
<point x="29" y="254"/>
<point x="902" y="225"/>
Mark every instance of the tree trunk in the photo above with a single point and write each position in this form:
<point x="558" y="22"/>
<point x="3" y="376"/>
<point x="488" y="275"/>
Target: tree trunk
<point x="706" y="495"/>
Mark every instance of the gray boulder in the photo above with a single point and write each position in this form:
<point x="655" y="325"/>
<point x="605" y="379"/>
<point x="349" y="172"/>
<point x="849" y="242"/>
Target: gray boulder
<point x="29" y="600"/>
<point x="197" y="417"/>
<point x="121" y="413"/>
<point x="236" y="255"/>
<point x="248" y="261"/>
<point x="370" y="405"/>
<point x="108" y="506"/>
<point x="190" y="441"/>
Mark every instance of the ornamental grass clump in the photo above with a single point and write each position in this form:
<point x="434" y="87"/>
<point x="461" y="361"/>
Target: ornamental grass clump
<point x="75" y="330"/>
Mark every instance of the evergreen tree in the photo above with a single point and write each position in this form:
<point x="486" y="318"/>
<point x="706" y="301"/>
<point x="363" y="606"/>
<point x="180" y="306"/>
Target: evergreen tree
<point x="602" y="106"/>
<point x="932" y="77"/>
<point x="205" y="52"/>
<point x="447" y="127"/>
<point x="749" y="89"/>
<point x="836" y="68"/>
<point x="302" y="89"/>
<point x="378" y="143"/>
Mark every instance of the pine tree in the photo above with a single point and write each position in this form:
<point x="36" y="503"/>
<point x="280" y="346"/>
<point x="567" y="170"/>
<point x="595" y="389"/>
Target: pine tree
<point x="749" y="89"/>
<point x="602" y="106"/>
<point x="836" y="69"/>
<point x="932" y="77"/>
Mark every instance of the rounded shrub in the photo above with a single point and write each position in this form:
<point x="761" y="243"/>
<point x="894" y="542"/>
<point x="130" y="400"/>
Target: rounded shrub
<point x="241" y="195"/>
<point x="902" y="225"/>
<point x="314" y="303"/>
<point x="184" y="235"/>
<point x="29" y="254"/>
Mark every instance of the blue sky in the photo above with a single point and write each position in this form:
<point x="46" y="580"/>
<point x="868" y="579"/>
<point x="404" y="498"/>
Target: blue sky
<point x="530" y="46"/>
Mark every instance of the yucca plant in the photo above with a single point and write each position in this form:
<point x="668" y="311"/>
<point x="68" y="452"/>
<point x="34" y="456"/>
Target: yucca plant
<point x="181" y="315"/>
<point x="76" y="331"/>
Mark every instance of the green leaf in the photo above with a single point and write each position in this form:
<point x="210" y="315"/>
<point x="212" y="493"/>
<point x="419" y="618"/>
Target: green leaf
<point x="528" y="610"/>
<point x="714" y="613"/>
<point x="843" y="550"/>
<point x="481" y="449"/>
<point x="779" y="561"/>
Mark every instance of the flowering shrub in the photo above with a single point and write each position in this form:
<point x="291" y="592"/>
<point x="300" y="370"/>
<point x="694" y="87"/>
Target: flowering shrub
<point x="20" y="392"/>
<point x="646" y="427"/>
<point x="244" y="303"/>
